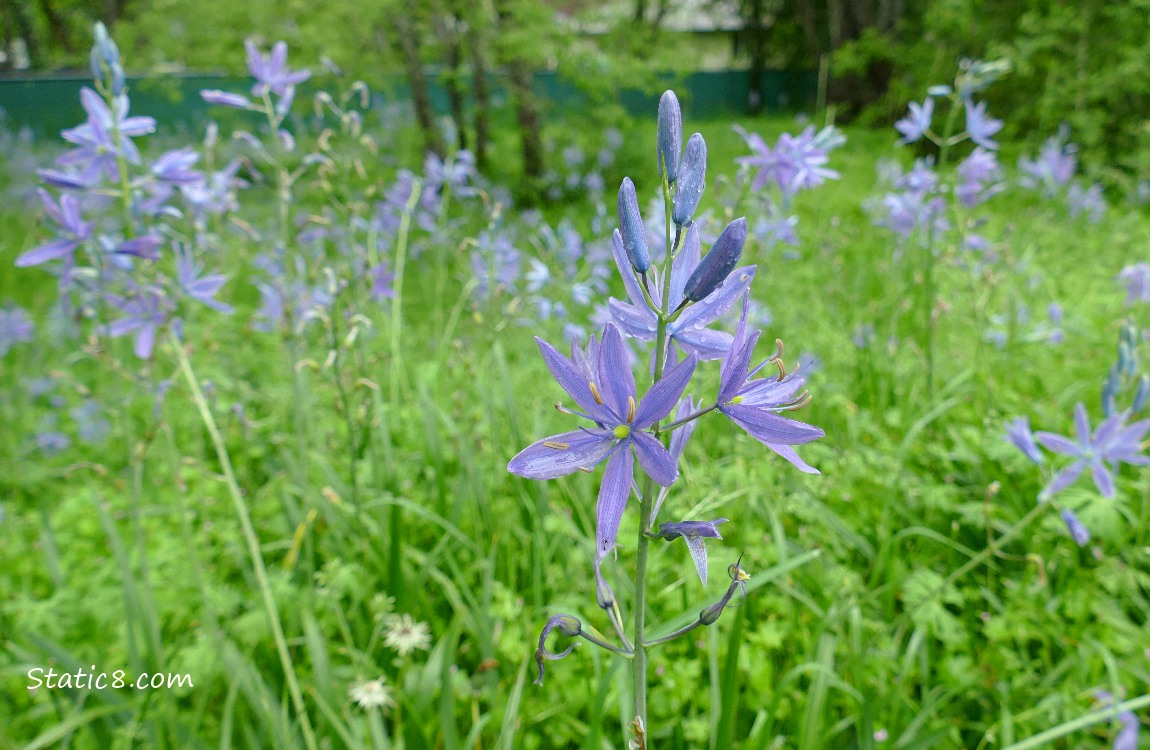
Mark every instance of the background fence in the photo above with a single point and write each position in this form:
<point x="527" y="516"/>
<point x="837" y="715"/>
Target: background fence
<point x="50" y="104"/>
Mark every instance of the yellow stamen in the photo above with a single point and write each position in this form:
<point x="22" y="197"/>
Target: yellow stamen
<point x="595" y="393"/>
<point x="782" y="370"/>
<point x="630" y="408"/>
<point x="584" y="469"/>
<point x="556" y="445"/>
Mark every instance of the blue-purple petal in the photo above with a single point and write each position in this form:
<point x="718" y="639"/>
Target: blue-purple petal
<point x="655" y="459"/>
<point x="613" y="494"/>
<point x="769" y="428"/>
<point x="616" y="381"/>
<point x="572" y="381"/>
<point x="664" y="395"/>
<point x="548" y="459"/>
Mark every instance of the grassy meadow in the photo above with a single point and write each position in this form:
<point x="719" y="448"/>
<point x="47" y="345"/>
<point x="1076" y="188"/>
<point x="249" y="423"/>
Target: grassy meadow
<point x="915" y="594"/>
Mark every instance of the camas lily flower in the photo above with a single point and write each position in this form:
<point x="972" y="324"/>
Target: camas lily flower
<point x="73" y="231"/>
<point x="271" y="71"/>
<point x="754" y="405"/>
<point x="1112" y="441"/>
<point x="600" y="382"/>
<point x="689" y="331"/>
<point x="106" y="135"/>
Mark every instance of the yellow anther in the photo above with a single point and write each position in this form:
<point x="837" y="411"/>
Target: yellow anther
<point x="583" y="469"/>
<point x="556" y="445"/>
<point x="782" y="370"/>
<point x="803" y="399"/>
<point x="630" y="408"/>
<point x="595" y="393"/>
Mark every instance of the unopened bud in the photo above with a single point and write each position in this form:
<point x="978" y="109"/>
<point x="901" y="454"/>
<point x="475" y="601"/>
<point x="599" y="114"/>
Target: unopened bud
<point x="670" y="135"/>
<point x="692" y="180"/>
<point x="631" y="227"/>
<point x="717" y="264"/>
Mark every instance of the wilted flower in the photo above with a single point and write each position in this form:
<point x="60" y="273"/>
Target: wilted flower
<point x="693" y="533"/>
<point x="565" y="624"/>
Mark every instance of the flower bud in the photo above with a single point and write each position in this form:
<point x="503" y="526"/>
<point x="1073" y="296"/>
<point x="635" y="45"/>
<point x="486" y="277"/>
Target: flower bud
<point x="670" y="135"/>
<point x="631" y="227"/>
<point x="717" y="265"/>
<point x="692" y="179"/>
<point x="1141" y="394"/>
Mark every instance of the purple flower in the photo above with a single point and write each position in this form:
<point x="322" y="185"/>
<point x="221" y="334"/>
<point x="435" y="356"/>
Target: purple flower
<point x="1053" y="168"/>
<point x="15" y="328"/>
<point x="50" y="440"/>
<point x="106" y="136"/>
<point x="977" y="176"/>
<point x="201" y="288"/>
<point x="381" y="282"/>
<point x="915" y="125"/>
<point x="689" y="332"/>
<point x="693" y="533"/>
<point x="1112" y="441"/>
<point x="175" y="167"/>
<point x="144" y="315"/>
<point x="980" y="126"/>
<point x="90" y="422"/>
<point x="796" y="162"/>
<point x="1088" y="201"/>
<point x="1078" y="532"/>
<point x="271" y="71"/>
<point x="1137" y="280"/>
<point x="754" y="405"/>
<point x="225" y="98"/>
<point x="73" y="230"/>
<point x="1019" y="434"/>
<point x="600" y="381"/>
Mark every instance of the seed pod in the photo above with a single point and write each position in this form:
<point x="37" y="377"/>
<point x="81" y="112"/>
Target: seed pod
<point x="631" y="227"/>
<point x="717" y="265"/>
<point x="670" y="135"/>
<point x="692" y="179"/>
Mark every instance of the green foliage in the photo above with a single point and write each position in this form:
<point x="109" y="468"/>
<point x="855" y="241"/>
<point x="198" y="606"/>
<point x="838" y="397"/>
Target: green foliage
<point x="860" y="620"/>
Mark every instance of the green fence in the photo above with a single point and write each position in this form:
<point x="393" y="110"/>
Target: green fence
<point x="48" y="105"/>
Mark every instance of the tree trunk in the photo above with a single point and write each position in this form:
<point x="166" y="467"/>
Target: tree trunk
<point x="475" y="42"/>
<point x="57" y="28"/>
<point x="17" y="13"/>
<point x="758" y="48"/>
<point x="405" y="36"/>
<point x="527" y="115"/>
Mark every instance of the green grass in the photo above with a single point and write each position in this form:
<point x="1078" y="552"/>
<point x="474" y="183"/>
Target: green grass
<point x="128" y="554"/>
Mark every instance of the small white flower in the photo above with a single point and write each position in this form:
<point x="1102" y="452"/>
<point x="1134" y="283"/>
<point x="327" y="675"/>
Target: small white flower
<point x="405" y="635"/>
<point x="371" y="694"/>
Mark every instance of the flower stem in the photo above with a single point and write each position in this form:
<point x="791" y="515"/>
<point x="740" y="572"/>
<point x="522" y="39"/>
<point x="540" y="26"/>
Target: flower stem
<point x="253" y="542"/>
